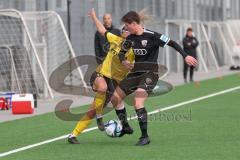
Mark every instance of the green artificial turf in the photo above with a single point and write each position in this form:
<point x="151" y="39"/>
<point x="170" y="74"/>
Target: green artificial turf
<point x="207" y="129"/>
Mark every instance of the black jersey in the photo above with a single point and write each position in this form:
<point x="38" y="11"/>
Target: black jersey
<point x="146" y="49"/>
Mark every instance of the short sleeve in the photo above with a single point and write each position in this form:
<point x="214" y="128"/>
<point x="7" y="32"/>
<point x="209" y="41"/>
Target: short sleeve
<point x="161" y="39"/>
<point x="111" y="37"/>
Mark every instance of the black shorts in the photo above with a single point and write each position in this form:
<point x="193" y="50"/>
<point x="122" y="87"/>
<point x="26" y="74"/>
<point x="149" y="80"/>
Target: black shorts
<point x="146" y="81"/>
<point x="111" y="84"/>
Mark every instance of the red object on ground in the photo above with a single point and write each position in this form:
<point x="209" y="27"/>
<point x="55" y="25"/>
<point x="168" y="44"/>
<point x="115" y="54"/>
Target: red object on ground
<point x="3" y="104"/>
<point x="22" y="104"/>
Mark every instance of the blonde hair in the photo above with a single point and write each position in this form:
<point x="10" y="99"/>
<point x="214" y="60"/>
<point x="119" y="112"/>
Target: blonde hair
<point x="145" y="18"/>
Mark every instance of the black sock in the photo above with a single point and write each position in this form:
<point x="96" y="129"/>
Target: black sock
<point x="122" y="116"/>
<point x="142" y="119"/>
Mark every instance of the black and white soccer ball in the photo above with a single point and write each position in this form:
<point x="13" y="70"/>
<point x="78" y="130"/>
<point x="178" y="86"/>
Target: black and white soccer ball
<point x="113" y="128"/>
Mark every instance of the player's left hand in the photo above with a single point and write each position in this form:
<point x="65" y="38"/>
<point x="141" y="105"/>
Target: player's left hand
<point x="191" y="61"/>
<point x="92" y="13"/>
<point x="127" y="64"/>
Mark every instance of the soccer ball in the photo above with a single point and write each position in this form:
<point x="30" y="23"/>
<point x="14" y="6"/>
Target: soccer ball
<point x="113" y="128"/>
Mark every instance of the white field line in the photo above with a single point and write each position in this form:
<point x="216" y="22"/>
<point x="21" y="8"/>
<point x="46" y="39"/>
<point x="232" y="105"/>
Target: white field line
<point x="94" y="128"/>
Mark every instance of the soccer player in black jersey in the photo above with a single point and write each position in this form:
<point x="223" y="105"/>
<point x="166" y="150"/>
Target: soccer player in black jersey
<point x="143" y="77"/>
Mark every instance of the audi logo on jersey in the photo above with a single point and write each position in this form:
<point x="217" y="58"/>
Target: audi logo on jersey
<point x="140" y="52"/>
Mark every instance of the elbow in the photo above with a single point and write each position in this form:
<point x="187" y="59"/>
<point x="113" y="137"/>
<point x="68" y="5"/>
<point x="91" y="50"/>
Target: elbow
<point x="102" y="32"/>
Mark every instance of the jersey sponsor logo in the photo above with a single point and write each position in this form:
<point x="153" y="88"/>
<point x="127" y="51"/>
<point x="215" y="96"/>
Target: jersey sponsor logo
<point x="140" y="52"/>
<point x="164" y="38"/>
<point x="144" y="43"/>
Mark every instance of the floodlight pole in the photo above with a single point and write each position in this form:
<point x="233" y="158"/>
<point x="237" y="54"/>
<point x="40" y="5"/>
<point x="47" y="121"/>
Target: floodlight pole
<point x="46" y="5"/>
<point x="69" y="33"/>
<point x="69" y="18"/>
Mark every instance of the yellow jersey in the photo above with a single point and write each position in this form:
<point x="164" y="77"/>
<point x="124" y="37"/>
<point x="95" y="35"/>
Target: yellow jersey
<point x="112" y="67"/>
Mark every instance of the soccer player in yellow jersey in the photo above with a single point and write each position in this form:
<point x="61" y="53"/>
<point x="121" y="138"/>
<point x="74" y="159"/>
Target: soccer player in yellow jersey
<point x="115" y="67"/>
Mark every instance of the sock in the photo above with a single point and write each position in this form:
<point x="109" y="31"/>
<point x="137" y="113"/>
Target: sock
<point x="99" y="101"/>
<point x="142" y="119"/>
<point x="98" y="116"/>
<point x="122" y="116"/>
<point x="84" y="122"/>
<point x="81" y="125"/>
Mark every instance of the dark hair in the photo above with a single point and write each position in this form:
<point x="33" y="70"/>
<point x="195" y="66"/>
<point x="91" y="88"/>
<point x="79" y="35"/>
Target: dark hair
<point x="124" y="28"/>
<point x="189" y="29"/>
<point x="131" y="17"/>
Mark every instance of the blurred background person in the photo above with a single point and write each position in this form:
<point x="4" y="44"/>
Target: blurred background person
<point x="100" y="44"/>
<point x="190" y="44"/>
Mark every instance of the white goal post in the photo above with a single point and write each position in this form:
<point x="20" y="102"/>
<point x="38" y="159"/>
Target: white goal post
<point x="32" y="46"/>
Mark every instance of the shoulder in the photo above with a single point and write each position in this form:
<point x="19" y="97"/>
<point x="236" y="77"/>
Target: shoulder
<point x="112" y="36"/>
<point x="97" y="34"/>
<point x="150" y="33"/>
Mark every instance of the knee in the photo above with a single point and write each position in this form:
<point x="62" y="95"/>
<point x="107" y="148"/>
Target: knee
<point x="138" y="104"/>
<point x="140" y="97"/>
<point x="102" y="88"/>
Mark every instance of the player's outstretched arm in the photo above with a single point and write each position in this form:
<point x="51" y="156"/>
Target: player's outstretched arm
<point x="101" y="29"/>
<point x="188" y="59"/>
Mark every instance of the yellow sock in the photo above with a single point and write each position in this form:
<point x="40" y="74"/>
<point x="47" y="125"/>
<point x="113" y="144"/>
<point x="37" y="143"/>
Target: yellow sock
<point x="82" y="125"/>
<point x="84" y="122"/>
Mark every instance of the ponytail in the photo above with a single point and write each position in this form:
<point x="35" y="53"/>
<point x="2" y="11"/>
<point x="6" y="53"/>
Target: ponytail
<point x="139" y="17"/>
<point x="144" y="17"/>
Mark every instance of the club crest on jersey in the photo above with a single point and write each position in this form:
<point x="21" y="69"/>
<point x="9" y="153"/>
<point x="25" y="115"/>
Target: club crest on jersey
<point x="148" y="80"/>
<point x="144" y="43"/>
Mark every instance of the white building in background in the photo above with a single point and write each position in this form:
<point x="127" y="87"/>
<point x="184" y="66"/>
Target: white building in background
<point x="82" y="30"/>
